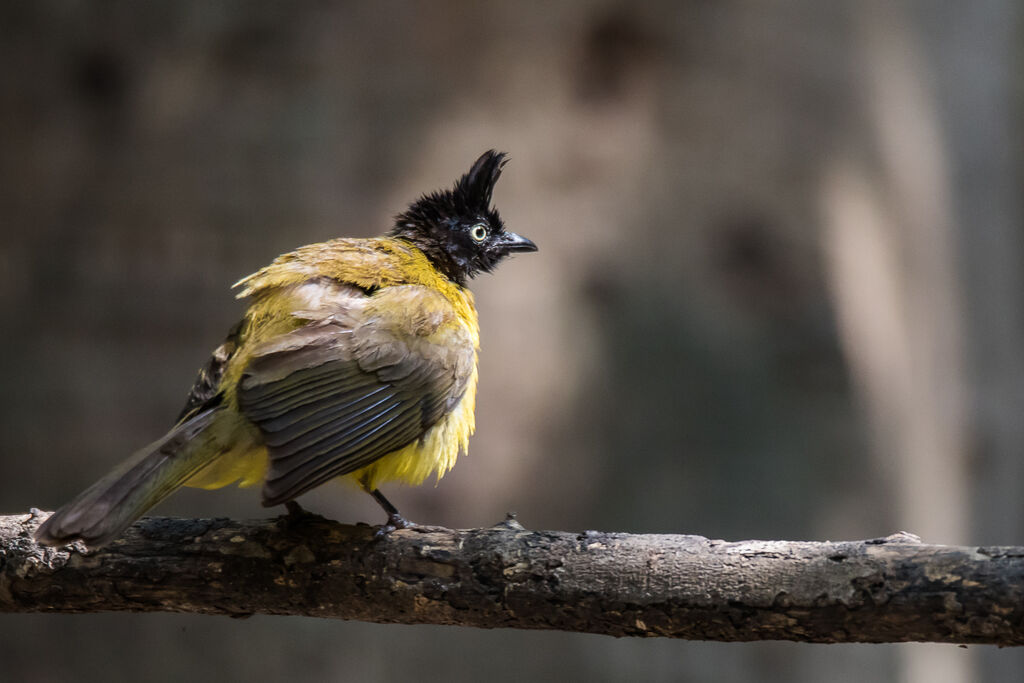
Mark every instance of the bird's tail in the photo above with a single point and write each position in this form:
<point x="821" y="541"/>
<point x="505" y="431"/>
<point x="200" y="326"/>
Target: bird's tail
<point x="99" y="514"/>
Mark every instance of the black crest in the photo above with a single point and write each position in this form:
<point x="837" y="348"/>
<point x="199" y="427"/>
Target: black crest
<point x="458" y="229"/>
<point x="474" y="189"/>
<point x="470" y="198"/>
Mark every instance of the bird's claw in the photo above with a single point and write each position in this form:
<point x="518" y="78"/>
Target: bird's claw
<point x="394" y="523"/>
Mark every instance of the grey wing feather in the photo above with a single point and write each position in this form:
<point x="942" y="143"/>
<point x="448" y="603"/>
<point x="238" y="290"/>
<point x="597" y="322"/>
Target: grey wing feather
<point x="205" y="391"/>
<point x="322" y="419"/>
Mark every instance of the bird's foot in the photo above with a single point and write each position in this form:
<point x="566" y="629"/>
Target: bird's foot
<point x="296" y="515"/>
<point x="294" y="509"/>
<point x="395" y="522"/>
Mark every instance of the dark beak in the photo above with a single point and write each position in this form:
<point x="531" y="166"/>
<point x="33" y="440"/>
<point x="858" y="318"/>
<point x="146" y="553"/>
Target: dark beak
<point x="511" y="243"/>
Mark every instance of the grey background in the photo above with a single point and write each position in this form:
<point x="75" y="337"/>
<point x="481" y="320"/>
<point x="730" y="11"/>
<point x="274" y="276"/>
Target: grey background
<point x="777" y="296"/>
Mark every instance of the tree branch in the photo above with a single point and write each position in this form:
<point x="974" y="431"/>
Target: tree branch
<point x="885" y="590"/>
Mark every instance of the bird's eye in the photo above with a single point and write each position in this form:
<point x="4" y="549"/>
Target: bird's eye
<point x="479" y="232"/>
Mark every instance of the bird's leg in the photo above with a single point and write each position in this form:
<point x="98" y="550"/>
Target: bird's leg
<point x="296" y="514"/>
<point x="395" y="520"/>
<point x="294" y="509"/>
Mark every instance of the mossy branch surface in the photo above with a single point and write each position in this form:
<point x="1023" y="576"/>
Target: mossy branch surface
<point x="893" y="589"/>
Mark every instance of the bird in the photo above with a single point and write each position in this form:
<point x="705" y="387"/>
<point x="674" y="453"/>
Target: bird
<point x="356" y="358"/>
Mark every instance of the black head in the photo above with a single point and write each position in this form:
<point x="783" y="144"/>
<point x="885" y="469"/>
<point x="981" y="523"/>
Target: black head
<point x="457" y="229"/>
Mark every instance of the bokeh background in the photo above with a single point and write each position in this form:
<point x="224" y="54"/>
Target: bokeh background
<point x="778" y="295"/>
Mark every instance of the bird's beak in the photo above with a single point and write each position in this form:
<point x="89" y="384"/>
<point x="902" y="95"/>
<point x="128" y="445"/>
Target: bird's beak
<point x="511" y="243"/>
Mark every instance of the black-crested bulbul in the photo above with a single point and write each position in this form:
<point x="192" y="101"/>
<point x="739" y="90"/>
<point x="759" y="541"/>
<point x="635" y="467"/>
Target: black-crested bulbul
<point x="355" y="358"/>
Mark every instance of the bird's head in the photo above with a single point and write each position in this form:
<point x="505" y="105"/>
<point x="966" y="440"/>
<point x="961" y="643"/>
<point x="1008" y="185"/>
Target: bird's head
<point x="457" y="229"/>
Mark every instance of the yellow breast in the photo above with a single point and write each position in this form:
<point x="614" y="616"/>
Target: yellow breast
<point x="434" y="452"/>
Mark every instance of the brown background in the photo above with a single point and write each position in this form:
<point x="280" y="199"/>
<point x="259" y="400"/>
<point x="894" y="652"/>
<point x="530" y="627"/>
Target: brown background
<point x="778" y="293"/>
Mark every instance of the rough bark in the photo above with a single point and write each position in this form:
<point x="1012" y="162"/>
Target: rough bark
<point x="884" y="590"/>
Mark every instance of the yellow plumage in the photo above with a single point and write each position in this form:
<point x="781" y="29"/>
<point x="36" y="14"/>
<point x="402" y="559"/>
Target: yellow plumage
<point x="282" y="288"/>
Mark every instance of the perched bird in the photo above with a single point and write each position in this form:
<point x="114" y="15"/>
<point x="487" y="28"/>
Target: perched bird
<point x="356" y="358"/>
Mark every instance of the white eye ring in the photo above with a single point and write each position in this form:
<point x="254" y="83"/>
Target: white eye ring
<point x="479" y="232"/>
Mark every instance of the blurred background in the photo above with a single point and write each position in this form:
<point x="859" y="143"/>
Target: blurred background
<point x="778" y="295"/>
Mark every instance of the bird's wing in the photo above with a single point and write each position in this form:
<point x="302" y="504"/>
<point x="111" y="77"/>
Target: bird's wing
<point x="206" y="391"/>
<point x="347" y="389"/>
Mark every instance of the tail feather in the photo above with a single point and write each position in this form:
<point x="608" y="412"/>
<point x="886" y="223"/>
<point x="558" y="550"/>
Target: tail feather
<point x="99" y="514"/>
